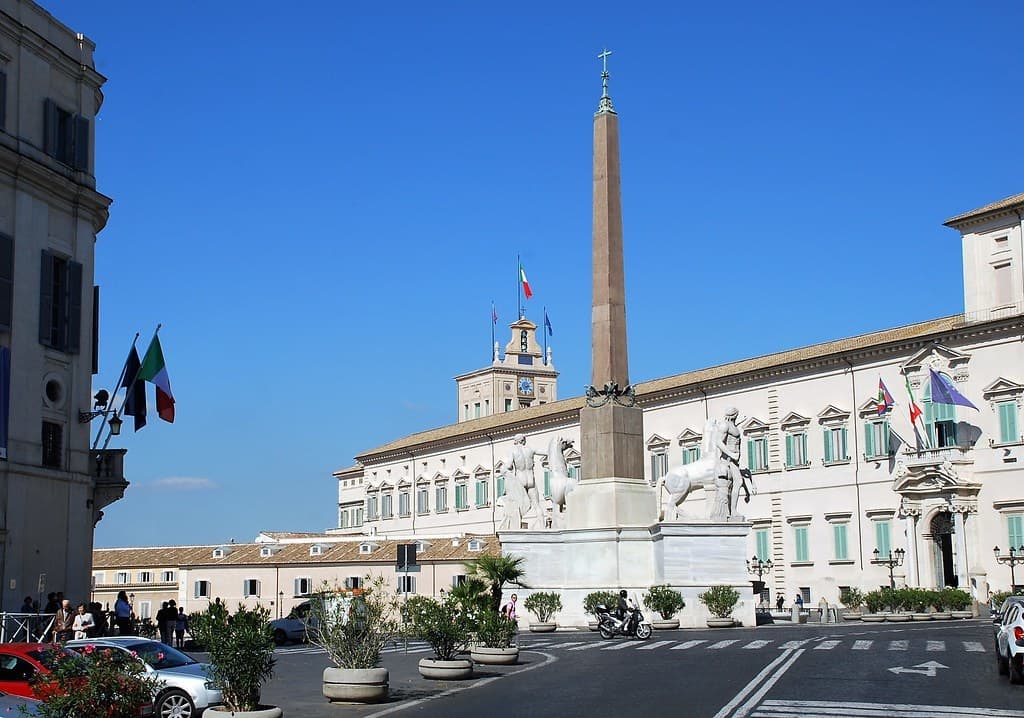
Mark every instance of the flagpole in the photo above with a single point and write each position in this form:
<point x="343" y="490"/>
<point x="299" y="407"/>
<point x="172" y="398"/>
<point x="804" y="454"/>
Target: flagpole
<point x="134" y="379"/>
<point x="113" y="395"/>
<point x="494" y="320"/>
<point x="544" y="331"/>
<point x="519" y="286"/>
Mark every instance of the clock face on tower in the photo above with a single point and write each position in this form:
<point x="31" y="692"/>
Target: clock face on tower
<point x="525" y="386"/>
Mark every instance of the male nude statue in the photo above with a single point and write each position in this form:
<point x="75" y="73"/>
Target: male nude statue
<point x="521" y="463"/>
<point x="729" y="457"/>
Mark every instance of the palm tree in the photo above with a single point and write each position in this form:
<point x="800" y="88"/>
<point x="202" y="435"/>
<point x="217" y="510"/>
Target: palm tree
<point x="496" y="571"/>
<point x="472" y="594"/>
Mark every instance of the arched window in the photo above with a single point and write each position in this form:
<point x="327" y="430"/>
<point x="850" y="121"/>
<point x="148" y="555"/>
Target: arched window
<point x="940" y="419"/>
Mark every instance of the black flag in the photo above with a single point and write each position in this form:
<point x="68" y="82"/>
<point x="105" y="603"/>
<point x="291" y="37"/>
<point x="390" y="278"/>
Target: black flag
<point x="135" y="402"/>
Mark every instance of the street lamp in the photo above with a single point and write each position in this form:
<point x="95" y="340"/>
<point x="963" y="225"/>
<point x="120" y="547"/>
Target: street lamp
<point x="756" y="565"/>
<point x="1012" y="559"/>
<point x="894" y="559"/>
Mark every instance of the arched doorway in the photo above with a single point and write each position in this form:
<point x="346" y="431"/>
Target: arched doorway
<point x="941" y="534"/>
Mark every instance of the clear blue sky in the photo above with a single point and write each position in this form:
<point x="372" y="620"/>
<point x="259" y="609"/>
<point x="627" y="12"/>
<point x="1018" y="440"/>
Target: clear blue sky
<point x="320" y="200"/>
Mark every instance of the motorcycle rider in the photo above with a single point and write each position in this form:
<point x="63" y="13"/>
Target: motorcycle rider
<point x="624" y="611"/>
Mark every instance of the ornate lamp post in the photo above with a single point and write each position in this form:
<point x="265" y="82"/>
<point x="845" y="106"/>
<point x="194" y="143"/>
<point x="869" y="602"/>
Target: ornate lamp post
<point x="894" y="559"/>
<point x="756" y="566"/>
<point x="1012" y="559"/>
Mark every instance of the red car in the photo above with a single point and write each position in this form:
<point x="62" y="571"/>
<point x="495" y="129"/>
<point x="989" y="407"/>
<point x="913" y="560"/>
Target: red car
<point x="19" y="662"/>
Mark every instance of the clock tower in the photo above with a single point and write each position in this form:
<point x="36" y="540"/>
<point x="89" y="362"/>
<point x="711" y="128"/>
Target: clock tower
<point x="525" y="376"/>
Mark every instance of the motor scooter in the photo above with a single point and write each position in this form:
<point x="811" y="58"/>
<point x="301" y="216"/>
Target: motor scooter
<point x="635" y="625"/>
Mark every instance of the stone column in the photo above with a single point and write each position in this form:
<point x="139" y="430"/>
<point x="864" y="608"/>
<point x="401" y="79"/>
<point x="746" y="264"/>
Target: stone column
<point x="961" y="549"/>
<point x="913" y="576"/>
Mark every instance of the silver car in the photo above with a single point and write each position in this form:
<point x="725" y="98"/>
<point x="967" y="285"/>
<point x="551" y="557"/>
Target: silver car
<point x="186" y="689"/>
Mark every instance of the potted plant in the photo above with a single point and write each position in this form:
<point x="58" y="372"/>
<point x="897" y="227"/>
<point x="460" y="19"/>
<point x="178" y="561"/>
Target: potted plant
<point x="594" y="599"/>
<point x="876" y="602"/>
<point x="666" y="602"/>
<point x="494" y="635"/>
<point x="352" y="627"/>
<point x="241" y="648"/>
<point x="544" y="605"/>
<point x="900" y="600"/>
<point x="82" y="684"/>
<point x="720" y="601"/>
<point x="446" y="625"/>
<point x="956" y="600"/>
<point x="852" y="599"/>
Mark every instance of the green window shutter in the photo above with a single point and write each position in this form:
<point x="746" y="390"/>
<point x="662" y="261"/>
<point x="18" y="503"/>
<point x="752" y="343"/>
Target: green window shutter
<point x="547" y="483"/>
<point x="843" y="455"/>
<point x="479" y="493"/>
<point x="800" y="533"/>
<point x="789" y="449"/>
<point x="500" y="488"/>
<point x="763" y="551"/>
<point x="885" y="439"/>
<point x="839" y="531"/>
<point x="828" y="445"/>
<point x="1015" y="524"/>
<point x="803" y="442"/>
<point x="1008" y="422"/>
<point x="882" y="539"/>
<point x="869" y="439"/>
<point x="751" y="463"/>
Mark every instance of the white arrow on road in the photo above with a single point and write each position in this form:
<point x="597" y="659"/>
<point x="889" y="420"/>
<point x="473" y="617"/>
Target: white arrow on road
<point x="924" y="669"/>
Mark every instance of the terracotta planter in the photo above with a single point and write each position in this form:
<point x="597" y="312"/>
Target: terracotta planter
<point x="897" y="617"/>
<point x="721" y="623"/>
<point x="355" y="685"/>
<point x="495" y="656"/>
<point x="921" y="616"/>
<point x="872" y="617"/>
<point x="663" y="625"/>
<point x="261" y="712"/>
<point x="543" y="627"/>
<point x="455" y="670"/>
<point x="852" y="616"/>
<point x="941" y="616"/>
<point x="961" y="614"/>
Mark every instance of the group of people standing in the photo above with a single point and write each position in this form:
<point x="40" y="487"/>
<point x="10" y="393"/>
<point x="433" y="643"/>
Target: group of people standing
<point x="84" y="621"/>
<point x="91" y="621"/>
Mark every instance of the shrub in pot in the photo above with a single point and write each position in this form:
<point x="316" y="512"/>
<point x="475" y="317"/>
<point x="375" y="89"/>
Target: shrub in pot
<point x="352" y="627"/>
<point x="544" y="605"/>
<point x="956" y="600"/>
<point x="447" y="626"/>
<point x="494" y="636"/>
<point x="241" y="648"/>
<point x="720" y="601"/>
<point x="598" y="598"/>
<point x="852" y="598"/>
<point x="666" y="602"/>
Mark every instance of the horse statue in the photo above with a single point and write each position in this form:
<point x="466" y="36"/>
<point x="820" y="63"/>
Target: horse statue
<point x="561" y="484"/>
<point x="680" y="481"/>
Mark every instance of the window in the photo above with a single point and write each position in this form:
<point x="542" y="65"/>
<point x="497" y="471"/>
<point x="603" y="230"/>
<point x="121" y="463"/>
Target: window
<point x="1008" y="422"/>
<point x="796" y="450"/>
<point x="367" y="547"/>
<point x="303" y="586"/>
<point x="121" y="577"/>
<point x="574" y="471"/>
<point x="839" y="539"/>
<point x="475" y="545"/>
<point x="316" y="550"/>
<point x="354" y="582"/>
<point x="835" y="444"/>
<point x="757" y="453"/>
<point x="876" y="438"/>
<point x="145" y="609"/>
<point x="508" y="405"/>
<point x="939" y="419"/>
<point x="167" y="577"/>
<point x="53" y="445"/>
<point x="371" y="508"/>
<point x="202" y="589"/>
<point x="481" y="492"/>
<point x="13" y="668"/>
<point x="358" y="521"/>
<point x="691" y="454"/>
<point x="385" y="506"/>
<point x="547" y="484"/>
<point x="60" y="303"/>
<point x="487" y="407"/>
<point x="659" y="465"/>
<point x="461" y="500"/>
<point x="65" y="136"/>
<point x="882" y="542"/>
<point x="403" y="503"/>
<point x="465" y="412"/>
<point x="407" y="584"/>
<point x="499" y="487"/>
<point x="1003" y="282"/>
<point x="802" y="552"/>
<point x="6" y="279"/>
<point x="1015" y="529"/>
<point x="145" y="577"/>
<point x="458" y="579"/>
<point x="805" y="593"/>
<point x="250" y="587"/>
<point x="422" y="501"/>
<point x="763" y="544"/>
<point x="344" y="520"/>
<point x="476" y="410"/>
<point x="441" y="499"/>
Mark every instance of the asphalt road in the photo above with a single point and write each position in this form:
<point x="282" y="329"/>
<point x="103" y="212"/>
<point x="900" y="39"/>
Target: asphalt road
<point x="942" y="668"/>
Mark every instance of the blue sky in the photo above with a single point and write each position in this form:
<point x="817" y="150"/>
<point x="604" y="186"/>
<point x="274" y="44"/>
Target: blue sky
<point x="319" y="201"/>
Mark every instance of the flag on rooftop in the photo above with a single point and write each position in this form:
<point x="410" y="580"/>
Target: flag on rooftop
<point x="527" y="292"/>
<point x="547" y="324"/>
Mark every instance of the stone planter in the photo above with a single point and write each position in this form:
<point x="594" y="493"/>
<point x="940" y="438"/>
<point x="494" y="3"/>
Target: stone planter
<point x="852" y="616"/>
<point x="592" y="625"/>
<point x="872" y="617"/>
<point x="355" y="685"/>
<point x="721" y="623"/>
<point x="897" y="617"/>
<point x="941" y="616"/>
<point x="662" y="625"/>
<point x="261" y="712"/>
<point x="446" y="670"/>
<point x="962" y="614"/>
<point x="543" y="627"/>
<point x="495" y="656"/>
<point x="921" y="616"/>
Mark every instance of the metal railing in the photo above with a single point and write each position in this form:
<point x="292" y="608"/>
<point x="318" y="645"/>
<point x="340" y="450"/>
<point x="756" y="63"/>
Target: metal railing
<point x="26" y="627"/>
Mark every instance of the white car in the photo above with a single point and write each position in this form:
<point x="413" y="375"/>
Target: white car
<point x="1010" y="643"/>
<point x="186" y="688"/>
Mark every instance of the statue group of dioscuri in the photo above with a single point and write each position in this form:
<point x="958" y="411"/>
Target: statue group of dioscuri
<point x="717" y="470"/>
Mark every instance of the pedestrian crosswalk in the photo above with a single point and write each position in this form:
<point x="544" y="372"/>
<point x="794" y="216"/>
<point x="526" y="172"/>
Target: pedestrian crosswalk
<point x="901" y="645"/>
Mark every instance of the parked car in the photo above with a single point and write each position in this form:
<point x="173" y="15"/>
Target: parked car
<point x="18" y="706"/>
<point x="1010" y="643"/>
<point x="292" y="627"/>
<point x="20" y="662"/>
<point x="187" y="689"/>
<point x="1000" y="612"/>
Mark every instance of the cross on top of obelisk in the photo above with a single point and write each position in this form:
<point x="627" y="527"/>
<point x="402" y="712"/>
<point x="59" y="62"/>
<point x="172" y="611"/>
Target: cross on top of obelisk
<point x="606" y="100"/>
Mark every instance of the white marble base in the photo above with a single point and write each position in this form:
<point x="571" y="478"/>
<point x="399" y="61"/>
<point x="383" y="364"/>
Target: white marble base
<point x="611" y="502"/>
<point x="690" y="557"/>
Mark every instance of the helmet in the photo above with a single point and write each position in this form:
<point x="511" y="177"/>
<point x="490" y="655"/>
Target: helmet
<point x="622" y="593"/>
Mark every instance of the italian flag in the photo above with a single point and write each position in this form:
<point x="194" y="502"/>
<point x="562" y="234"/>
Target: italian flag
<point x="526" y="283"/>
<point x="154" y="370"/>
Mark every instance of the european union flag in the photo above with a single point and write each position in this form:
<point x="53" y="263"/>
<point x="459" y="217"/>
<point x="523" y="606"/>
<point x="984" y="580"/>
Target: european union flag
<point x="547" y="324"/>
<point x="943" y="391"/>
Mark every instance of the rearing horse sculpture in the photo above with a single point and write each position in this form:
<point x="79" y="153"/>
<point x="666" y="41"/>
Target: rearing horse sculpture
<point x="561" y="484"/>
<point x="680" y="481"/>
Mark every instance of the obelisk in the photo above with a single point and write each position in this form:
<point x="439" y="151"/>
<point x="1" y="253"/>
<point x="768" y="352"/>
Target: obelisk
<point x="612" y="491"/>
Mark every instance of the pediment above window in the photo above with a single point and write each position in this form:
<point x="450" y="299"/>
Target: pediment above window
<point x="385" y="486"/>
<point x="937" y="357"/>
<point x="753" y="425"/>
<point x="869" y="410"/>
<point x="572" y="455"/>
<point x="404" y="483"/>
<point x="1002" y="389"/>
<point x="656" y="441"/>
<point x="459" y="474"/>
<point x="832" y="414"/>
<point x="929" y="475"/>
<point x="689" y="436"/>
<point x="793" y="421"/>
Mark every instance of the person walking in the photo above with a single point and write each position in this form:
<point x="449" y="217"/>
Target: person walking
<point x="780" y="601"/>
<point x="123" y="614"/>
<point x="180" y="626"/>
<point x="162" y="617"/>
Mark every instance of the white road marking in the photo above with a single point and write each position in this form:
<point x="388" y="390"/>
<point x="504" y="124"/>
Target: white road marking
<point x="792" y="644"/>
<point x="974" y="647"/>
<point x="898" y="645"/>
<point x="761" y="684"/>
<point x="827" y="645"/>
<point x="757" y="644"/>
<point x="618" y="646"/>
<point x="722" y="644"/>
<point x="586" y="646"/>
<point x="862" y="645"/>
<point x="830" y="709"/>
<point x="566" y="645"/>
<point x="936" y="646"/>
<point x="652" y="646"/>
<point x="925" y="669"/>
<point x="686" y="644"/>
